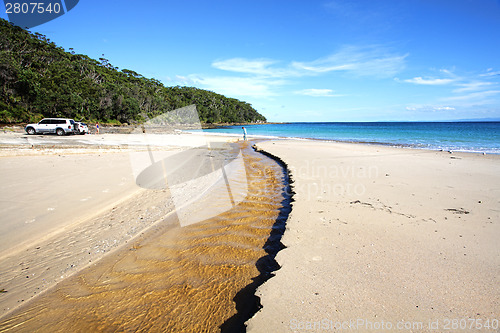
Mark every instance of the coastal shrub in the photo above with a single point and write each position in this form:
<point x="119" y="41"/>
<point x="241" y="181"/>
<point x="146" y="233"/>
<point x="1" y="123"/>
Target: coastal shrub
<point x="39" y="78"/>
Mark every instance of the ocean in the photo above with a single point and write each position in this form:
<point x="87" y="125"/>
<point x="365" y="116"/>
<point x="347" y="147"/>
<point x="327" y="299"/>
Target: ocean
<point x="456" y="136"/>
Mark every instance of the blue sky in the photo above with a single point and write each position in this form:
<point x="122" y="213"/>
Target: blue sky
<point x="332" y="60"/>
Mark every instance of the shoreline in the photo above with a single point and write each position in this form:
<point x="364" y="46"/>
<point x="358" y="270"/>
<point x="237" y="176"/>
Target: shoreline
<point x="369" y="143"/>
<point x="479" y="137"/>
<point x="128" y="129"/>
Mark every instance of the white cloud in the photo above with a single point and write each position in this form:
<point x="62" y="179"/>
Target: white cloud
<point x="360" y="61"/>
<point x="472" y="86"/>
<point x="239" y="86"/>
<point x="432" y="82"/>
<point x="490" y="72"/>
<point x="251" y="66"/>
<point x="322" y="66"/>
<point x="477" y="97"/>
<point x="447" y="71"/>
<point x="317" y="93"/>
<point x="183" y="80"/>
<point x="428" y="108"/>
<point x="465" y="90"/>
<point x="261" y="77"/>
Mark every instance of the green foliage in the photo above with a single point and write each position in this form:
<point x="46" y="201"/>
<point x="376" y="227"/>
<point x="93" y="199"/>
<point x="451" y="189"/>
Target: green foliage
<point x="112" y="122"/>
<point x="39" y="79"/>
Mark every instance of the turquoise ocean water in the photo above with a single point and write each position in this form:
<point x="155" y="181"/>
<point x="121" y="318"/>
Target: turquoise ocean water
<point x="457" y="136"/>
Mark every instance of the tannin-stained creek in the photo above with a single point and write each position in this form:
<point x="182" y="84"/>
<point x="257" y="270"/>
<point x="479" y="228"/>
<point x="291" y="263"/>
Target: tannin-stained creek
<point x="197" y="278"/>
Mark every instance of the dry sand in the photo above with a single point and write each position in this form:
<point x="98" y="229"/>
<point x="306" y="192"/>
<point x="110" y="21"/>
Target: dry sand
<point x="382" y="238"/>
<point x="68" y="201"/>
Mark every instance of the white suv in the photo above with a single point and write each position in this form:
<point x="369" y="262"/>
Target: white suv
<point x="60" y="126"/>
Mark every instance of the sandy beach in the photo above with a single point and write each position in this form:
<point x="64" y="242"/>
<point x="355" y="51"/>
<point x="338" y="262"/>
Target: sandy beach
<point x="66" y="202"/>
<point x="377" y="236"/>
<point x="171" y="256"/>
<point x="383" y="238"/>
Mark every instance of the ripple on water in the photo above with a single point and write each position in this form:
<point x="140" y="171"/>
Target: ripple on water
<point x="172" y="279"/>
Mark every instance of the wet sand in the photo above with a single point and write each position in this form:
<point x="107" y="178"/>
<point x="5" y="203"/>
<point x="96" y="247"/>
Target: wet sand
<point x="172" y="278"/>
<point x="42" y="193"/>
<point x="64" y="208"/>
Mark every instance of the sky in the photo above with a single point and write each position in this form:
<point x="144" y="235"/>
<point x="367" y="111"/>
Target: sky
<point x="294" y="61"/>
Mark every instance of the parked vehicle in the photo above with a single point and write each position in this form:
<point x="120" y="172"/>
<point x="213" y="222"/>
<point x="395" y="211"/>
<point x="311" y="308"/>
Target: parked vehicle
<point x="59" y="126"/>
<point x="81" y="128"/>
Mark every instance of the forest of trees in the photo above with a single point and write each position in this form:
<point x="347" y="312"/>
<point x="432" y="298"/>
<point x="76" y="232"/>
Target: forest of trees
<point x="39" y="79"/>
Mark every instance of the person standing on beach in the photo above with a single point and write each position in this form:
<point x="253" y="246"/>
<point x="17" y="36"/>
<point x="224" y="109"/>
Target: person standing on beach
<point x="97" y="128"/>
<point x="244" y="133"/>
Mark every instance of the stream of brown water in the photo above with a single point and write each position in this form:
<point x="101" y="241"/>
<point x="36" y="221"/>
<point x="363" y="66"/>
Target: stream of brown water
<point x="172" y="278"/>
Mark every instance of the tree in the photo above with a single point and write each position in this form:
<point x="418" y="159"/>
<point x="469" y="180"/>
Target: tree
<point x="39" y="79"/>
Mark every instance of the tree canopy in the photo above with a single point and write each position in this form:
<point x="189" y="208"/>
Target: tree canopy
<point x="39" y="79"/>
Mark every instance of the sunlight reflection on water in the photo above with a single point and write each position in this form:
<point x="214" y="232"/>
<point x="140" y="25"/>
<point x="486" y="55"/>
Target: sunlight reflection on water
<point x="171" y="278"/>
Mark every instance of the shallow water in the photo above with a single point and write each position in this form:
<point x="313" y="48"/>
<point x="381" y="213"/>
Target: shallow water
<point x="175" y="279"/>
<point x="459" y="136"/>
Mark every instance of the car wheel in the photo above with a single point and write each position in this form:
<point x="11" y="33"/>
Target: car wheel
<point x="60" y="132"/>
<point x="31" y="131"/>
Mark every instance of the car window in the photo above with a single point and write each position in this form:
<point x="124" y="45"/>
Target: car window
<point x="44" y="121"/>
<point x="72" y="121"/>
<point x="60" y="121"/>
